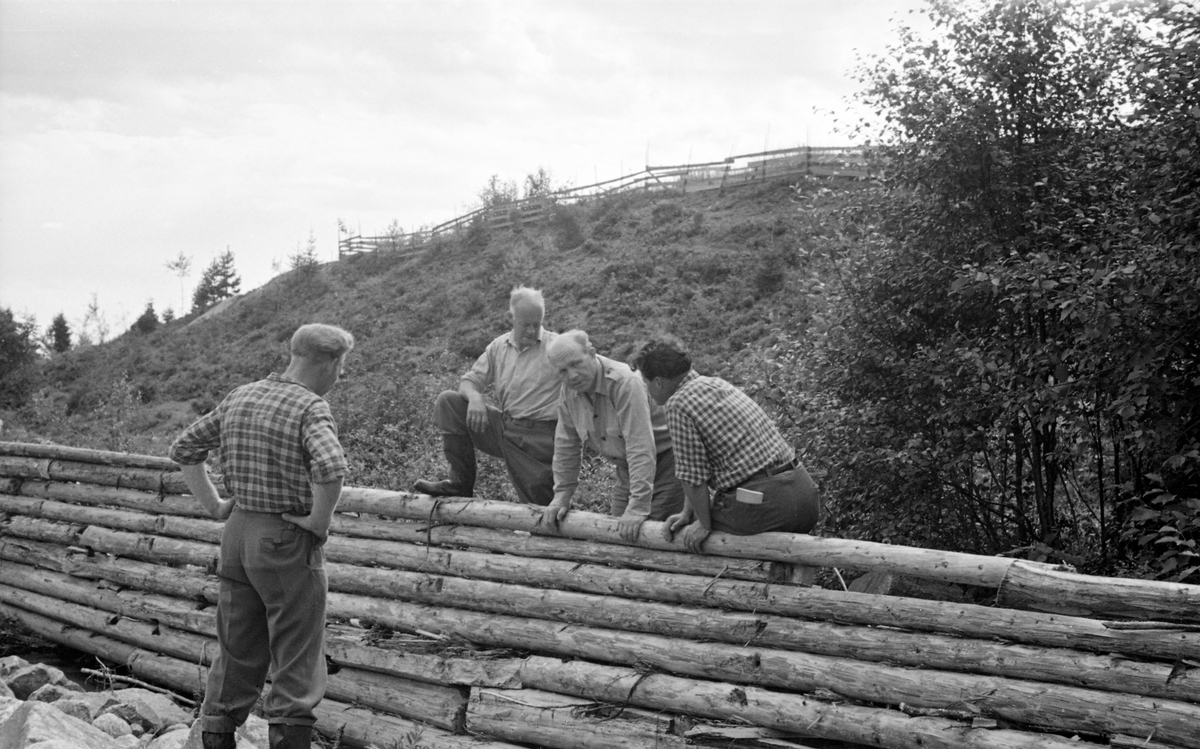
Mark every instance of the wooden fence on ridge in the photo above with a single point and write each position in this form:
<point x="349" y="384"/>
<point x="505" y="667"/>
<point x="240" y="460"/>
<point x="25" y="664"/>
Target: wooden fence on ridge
<point x="463" y="621"/>
<point x="851" y="162"/>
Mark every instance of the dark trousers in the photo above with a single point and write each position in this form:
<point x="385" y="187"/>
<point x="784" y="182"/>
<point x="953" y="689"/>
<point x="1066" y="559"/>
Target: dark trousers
<point x="527" y="448"/>
<point x="790" y="503"/>
<point x="270" y="617"/>
<point x="668" y="492"/>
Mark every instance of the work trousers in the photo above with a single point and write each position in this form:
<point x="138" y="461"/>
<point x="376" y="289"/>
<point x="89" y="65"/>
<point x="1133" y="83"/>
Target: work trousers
<point x="668" y="492"/>
<point x="270" y="617"/>
<point x="790" y="503"/>
<point x="527" y="447"/>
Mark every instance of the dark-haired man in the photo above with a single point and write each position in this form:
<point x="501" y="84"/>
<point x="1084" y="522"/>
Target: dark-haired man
<point x="725" y="442"/>
<point x="520" y="428"/>
<point x="283" y="467"/>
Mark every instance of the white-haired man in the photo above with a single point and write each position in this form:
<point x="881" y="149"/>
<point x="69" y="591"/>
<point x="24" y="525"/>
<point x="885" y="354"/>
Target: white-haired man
<point x="605" y="405"/>
<point x="283" y="467"/>
<point x="520" y="428"/>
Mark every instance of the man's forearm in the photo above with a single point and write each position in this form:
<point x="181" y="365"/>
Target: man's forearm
<point x="325" y="500"/>
<point x="201" y="486"/>
<point x="696" y="496"/>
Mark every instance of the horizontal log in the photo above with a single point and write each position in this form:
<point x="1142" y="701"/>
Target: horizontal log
<point x="1168" y="642"/>
<point x="357" y="727"/>
<point x="1027" y="702"/>
<point x="441" y="706"/>
<point x="131" y="499"/>
<point x="511" y="542"/>
<point x="135" y="604"/>
<point x="346" y="648"/>
<point x="935" y="651"/>
<point x="798" y="714"/>
<point x="792" y="548"/>
<point x="86" y="455"/>
<point x="1031" y="587"/>
<point x="547" y="719"/>
<point x="120" y="476"/>
<point x="189" y="583"/>
<point x="1061" y="666"/>
<point x="151" y="635"/>
<point x="1155" y="601"/>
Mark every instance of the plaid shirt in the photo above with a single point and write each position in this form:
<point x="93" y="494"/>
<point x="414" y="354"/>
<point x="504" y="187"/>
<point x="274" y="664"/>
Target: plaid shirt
<point x="275" y="436"/>
<point x="721" y="436"/>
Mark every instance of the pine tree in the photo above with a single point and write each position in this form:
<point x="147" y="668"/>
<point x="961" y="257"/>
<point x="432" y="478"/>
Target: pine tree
<point x="219" y="281"/>
<point x="147" y="322"/>
<point x="59" y="334"/>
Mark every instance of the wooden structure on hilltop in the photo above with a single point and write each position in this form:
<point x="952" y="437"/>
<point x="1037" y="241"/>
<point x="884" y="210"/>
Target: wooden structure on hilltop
<point x="803" y="161"/>
<point x="455" y="618"/>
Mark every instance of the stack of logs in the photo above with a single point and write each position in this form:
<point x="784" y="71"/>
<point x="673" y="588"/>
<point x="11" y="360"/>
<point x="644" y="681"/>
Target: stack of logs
<point x="457" y="623"/>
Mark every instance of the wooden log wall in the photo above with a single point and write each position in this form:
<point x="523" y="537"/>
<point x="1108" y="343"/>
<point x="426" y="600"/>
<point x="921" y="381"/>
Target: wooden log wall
<point x="460" y="622"/>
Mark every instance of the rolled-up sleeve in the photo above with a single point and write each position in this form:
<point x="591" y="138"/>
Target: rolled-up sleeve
<point x="322" y="444"/>
<point x="194" y="444"/>
<point x="632" y="407"/>
<point x="483" y="372"/>
<point x="567" y="451"/>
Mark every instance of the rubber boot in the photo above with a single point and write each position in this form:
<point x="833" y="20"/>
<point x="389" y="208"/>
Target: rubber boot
<point x="460" y="455"/>
<point x="284" y="736"/>
<point x="210" y="740"/>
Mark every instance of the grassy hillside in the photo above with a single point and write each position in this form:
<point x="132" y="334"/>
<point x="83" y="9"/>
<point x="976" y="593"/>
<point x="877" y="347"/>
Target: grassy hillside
<point x="726" y="272"/>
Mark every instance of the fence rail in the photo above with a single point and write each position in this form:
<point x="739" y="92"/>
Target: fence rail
<point x="856" y="162"/>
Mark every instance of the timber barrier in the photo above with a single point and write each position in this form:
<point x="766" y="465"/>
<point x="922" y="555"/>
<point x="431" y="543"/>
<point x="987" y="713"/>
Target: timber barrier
<point x="855" y="162"/>
<point x="460" y="621"/>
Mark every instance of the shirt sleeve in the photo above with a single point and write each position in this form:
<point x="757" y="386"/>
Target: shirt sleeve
<point x="567" y="451"/>
<point x="194" y="444"/>
<point x="483" y="372"/>
<point x="322" y="444"/>
<point x="691" y="458"/>
<point x="632" y="406"/>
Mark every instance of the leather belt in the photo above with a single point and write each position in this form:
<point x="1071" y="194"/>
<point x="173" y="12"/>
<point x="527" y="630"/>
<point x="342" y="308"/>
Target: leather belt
<point x="532" y="423"/>
<point x="769" y="471"/>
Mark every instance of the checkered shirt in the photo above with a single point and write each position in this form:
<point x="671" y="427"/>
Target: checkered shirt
<point x="274" y="436"/>
<point x="721" y="436"/>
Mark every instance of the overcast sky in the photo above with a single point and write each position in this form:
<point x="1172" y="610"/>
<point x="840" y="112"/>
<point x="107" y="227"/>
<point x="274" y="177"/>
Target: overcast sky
<point x="134" y="130"/>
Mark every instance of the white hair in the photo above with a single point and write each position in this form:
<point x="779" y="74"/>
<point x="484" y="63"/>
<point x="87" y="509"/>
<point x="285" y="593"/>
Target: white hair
<point x="525" y="296"/>
<point x="574" y="340"/>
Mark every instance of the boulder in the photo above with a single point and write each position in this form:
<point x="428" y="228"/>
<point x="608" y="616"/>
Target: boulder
<point x="152" y="710"/>
<point x="25" y="681"/>
<point x="24" y="724"/>
<point x="51" y="693"/>
<point x="93" y="702"/>
<point x="11" y="663"/>
<point x="112" y="725"/>
<point x="5" y="692"/>
<point x="74" y="709"/>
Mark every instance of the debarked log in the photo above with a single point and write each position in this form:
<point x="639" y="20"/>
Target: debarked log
<point x="781" y="547"/>
<point x="1050" y="706"/>
<point x="1058" y="665"/>
<point x="1026" y="587"/>
<point x="121" y="476"/>
<point x="442" y="706"/>
<point x="357" y="727"/>
<point x="929" y="651"/>
<point x="547" y="719"/>
<point x="86" y="455"/>
<point x="1169" y="642"/>
<point x="792" y="713"/>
